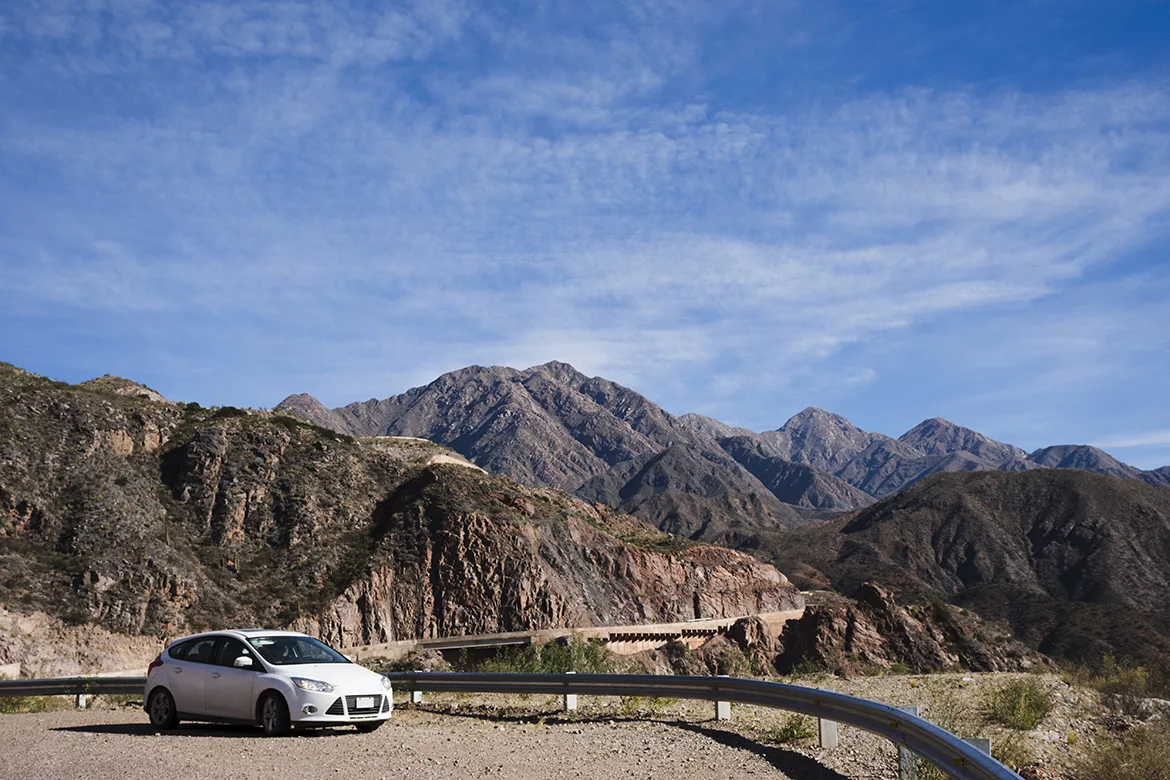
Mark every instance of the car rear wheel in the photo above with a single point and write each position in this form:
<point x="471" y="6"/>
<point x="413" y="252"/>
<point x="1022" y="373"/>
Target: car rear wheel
<point x="161" y="708"/>
<point x="274" y="716"/>
<point x="366" y="728"/>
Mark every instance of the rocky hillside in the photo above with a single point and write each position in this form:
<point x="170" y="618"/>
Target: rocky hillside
<point x="152" y="518"/>
<point x="1077" y="564"/>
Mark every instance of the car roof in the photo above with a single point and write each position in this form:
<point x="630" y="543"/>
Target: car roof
<point x="242" y="633"/>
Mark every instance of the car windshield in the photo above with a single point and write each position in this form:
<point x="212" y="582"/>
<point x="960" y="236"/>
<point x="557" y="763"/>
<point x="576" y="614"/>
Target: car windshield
<point x="291" y="650"/>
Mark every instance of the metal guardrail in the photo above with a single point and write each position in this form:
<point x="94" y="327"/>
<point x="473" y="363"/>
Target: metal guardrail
<point x="72" y="686"/>
<point x="945" y="750"/>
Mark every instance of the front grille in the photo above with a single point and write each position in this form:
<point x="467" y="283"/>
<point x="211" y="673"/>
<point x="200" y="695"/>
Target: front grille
<point x="336" y="708"/>
<point x="386" y="704"/>
<point x="351" y="705"/>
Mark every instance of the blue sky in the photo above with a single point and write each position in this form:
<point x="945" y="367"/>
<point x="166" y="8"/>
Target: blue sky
<point x="890" y="210"/>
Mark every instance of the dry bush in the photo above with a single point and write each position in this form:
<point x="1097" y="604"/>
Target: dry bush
<point x="1142" y="753"/>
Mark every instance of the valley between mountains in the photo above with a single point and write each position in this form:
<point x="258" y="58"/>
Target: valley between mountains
<point x="496" y="499"/>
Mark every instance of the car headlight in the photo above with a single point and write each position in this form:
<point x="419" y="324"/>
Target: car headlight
<point x="312" y="685"/>
<point x="386" y="682"/>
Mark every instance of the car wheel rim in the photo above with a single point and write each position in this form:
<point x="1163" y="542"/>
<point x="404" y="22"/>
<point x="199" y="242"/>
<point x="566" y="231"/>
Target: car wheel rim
<point x="160" y="709"/>
<point x="270" y="715"/>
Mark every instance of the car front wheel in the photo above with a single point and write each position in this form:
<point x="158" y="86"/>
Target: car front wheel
<point x="163" y="714"/>
<point x="274" y="716"/>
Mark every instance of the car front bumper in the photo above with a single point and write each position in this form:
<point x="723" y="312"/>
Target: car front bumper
<point x="338" y="708"/>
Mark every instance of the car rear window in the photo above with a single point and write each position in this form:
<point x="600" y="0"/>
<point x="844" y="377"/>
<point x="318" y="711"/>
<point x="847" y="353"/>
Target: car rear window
<point x="196" y="650"/>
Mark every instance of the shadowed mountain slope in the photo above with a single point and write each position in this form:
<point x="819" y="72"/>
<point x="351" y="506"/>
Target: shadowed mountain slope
<point x="793" y="483"/>
<point x="695" y="493"/>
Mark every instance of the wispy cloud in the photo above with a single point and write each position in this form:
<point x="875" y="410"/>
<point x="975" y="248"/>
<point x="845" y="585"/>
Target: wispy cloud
<point x="383" y="194"/>
<point x="1150" y="439"/>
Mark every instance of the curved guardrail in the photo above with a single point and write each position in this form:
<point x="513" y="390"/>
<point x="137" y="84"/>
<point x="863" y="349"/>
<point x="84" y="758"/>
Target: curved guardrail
<point x="946" y="751"/>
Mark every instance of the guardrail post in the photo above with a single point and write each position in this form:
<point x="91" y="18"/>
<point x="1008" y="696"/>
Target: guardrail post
<point x="979" y="743"/>
<point x="722" y="708"/>
<point x="907" y="760"/>
<point x="827" y="733"/>
<point x="81" y="700"/>
<point x="570" y="699"/>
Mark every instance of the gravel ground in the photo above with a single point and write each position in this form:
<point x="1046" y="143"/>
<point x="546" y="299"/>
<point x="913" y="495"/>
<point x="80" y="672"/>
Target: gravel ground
<point x="119" y="744"/>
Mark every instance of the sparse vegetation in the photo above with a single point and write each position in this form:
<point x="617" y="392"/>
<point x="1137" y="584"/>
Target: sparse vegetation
<point x="558" y="657"/>
<point x="1142" y="753"/>
<point x="793" y="729"/>
<point x="11" y="705"/>
<point x="1020" y="704"/>
<point x="1124" y="688"/>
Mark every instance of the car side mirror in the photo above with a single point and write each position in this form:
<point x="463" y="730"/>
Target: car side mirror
<point x="243" y="662"/>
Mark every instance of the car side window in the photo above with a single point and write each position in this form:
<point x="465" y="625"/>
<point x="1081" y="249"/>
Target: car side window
<point x="229" y="650"/>
<point x="179" y="651"/>
<point x="200" y="651"/>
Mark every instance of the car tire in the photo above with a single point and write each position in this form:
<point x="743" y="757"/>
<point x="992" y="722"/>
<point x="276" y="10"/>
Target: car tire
<point x="162" y="710"/>
<point x="366" y="728"/>
<point x="274" y="717"/>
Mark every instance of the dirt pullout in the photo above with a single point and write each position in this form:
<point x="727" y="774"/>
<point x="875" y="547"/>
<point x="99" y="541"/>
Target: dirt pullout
<point x="88" y="745"/>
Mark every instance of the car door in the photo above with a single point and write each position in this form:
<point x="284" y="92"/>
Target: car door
<point x="228" y="693"/>
<point x="188" y="673"/>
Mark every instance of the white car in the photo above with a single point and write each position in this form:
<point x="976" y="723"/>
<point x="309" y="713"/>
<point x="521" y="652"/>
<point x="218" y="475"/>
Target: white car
<point x="275" y="678"/>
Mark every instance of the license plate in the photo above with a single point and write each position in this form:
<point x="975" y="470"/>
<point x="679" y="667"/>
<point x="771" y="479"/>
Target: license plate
<point x="365" y="702"/>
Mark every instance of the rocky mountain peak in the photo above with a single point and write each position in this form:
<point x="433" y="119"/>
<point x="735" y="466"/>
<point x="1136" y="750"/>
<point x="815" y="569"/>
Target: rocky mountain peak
<point x="562" y="372"/>
<point x="122" y="386"/>
<point x="309" y="408"/>
<point x="937" y="436"/>
<point x="821" y="439"/>
<point x="1087" y="458"/>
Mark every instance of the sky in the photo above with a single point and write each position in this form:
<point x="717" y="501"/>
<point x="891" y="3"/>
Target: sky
<point x="891" y="210"/>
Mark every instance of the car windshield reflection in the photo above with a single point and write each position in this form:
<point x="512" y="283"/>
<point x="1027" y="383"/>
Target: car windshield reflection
<point x="292" y="650"/>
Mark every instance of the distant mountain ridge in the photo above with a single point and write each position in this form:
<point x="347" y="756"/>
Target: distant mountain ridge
<point x="550" y="425"/>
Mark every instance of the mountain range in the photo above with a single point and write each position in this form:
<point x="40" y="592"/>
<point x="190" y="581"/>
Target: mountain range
<point x="550" y="425"/>
<point x="123" y="511"/>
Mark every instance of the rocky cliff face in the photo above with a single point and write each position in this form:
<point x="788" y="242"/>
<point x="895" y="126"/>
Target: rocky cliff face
<point x="872" y="632"/>
<point x="150" y="518"/>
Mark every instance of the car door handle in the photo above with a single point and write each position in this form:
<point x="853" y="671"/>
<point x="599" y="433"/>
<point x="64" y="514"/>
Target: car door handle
<point x="215" y="675"/>
<point x="177" y="670"/>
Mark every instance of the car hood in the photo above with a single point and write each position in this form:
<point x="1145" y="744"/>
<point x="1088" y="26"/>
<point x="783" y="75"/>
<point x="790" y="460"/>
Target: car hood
<point x="348" y="676"/>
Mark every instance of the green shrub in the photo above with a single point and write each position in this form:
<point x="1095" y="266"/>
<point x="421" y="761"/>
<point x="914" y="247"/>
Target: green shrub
<point x="1013" y="749"/>
<point x="1020" y="704"/>
<point x="11" y="705"/>
<point x="558" y="657"/>
<point x="1142" y="753"/>
<point x="793" y="729"/>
